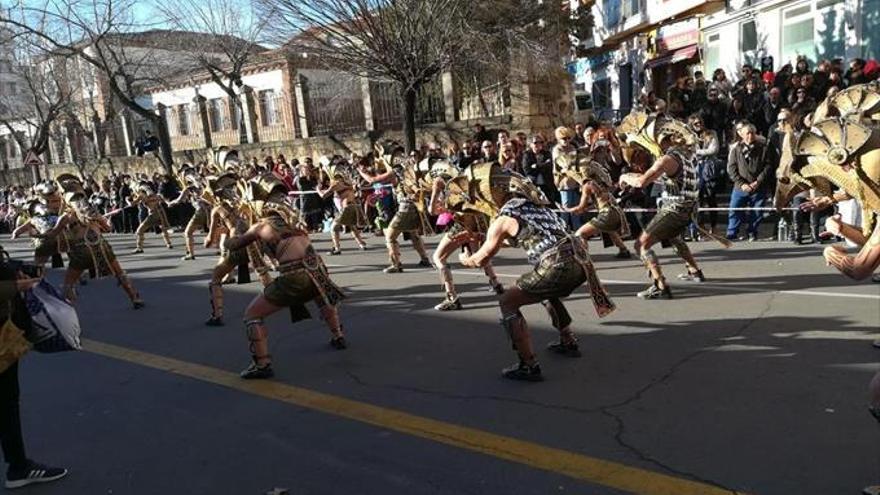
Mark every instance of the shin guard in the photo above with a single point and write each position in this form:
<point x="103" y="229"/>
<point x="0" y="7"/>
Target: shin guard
<point x="559" y="316"/>
<point x="215" y="289"/>
<point x="446" y="282"/>
<point x="257" y="335"/>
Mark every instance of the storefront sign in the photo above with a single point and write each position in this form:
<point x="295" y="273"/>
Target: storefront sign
<point x="678" y="35"/>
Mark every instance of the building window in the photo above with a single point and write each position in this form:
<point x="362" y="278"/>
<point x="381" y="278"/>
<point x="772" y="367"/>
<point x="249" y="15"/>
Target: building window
<point x="216" y="114"/>
<point x="268" y="108"/>
<point x="602" y="93"/>
<point x="816" y="30"/>
<point x="611" y="9"/>
<point x="630" y="8"/>
<point x="748" y="37"/>
<point x="712" y="53"/>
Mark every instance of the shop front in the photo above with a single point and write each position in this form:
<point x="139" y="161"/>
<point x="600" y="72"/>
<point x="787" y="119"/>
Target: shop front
<point x="675" y="53"/>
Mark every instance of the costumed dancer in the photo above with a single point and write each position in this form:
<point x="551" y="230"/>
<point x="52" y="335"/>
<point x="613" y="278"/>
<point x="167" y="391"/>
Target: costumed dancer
<point x="303" y="278"/>
<point x="669" y="145"/>
<point x="87" y="250"/>
<point x="449" y="193"/>
<point x="842" y="147"/>
<point x="843" y="150"/>
<point x="560" y="264"/>
<point x="410" y="218"/>
<point x="596" y="185"/>
<point x="39" y="223"/>
<point x="42" y="214"/>
<point x="197" y="195"/>
<point x="226" y="217"/>
<point x="157" y="216"/>
<point x="351" y="211"/>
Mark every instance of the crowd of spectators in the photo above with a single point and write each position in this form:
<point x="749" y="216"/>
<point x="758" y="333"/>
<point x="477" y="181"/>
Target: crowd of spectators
<point x="739" y="125"/>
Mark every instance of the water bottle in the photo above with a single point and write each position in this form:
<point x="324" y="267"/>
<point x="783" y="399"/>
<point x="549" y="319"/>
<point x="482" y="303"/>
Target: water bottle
<point x="782" y="230"/>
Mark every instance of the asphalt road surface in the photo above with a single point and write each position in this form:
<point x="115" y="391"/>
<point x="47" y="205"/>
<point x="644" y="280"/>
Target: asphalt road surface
<point x="753" y="382"/>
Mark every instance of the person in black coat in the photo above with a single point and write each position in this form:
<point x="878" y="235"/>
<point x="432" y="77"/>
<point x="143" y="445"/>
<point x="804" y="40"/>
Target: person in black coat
<point x="537" y="164"/>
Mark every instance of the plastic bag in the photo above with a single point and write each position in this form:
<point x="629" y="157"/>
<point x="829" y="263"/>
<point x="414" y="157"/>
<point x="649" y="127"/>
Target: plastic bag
<point x="55" y="322"/>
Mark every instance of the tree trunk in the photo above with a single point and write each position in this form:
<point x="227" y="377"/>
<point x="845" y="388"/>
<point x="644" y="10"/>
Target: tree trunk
<point x="164" y="145"/>
<point x="409" y="119"/>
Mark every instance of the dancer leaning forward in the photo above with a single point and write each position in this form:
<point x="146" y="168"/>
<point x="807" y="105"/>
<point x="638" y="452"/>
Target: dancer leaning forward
<point x="449" y="194"/>
<point x="560" y="263"/>
<point x="303" y="276"/>
<point x="662" y="148"/>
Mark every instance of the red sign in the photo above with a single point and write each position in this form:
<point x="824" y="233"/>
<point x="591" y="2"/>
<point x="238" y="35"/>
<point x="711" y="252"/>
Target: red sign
<point x="678" y="40"/>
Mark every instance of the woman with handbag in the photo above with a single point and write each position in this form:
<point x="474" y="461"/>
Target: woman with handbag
<point x="22" y="471"/>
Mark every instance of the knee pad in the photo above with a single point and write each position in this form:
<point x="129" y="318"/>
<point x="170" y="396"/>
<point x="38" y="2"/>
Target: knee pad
<point x="559" y="316"/>
<point x="335" y="227"/>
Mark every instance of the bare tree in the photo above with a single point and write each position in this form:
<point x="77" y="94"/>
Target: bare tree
<point x="31" y="112"/>
<point x="409" y="42"/>
<point x="125" y="57"/>
<point x="236" y="30"/>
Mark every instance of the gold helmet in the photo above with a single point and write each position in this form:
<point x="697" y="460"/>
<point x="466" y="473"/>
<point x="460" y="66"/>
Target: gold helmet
<point x="146" y="188"/>
<point x="589" y="170"/>
<point x="522" y="186"/>
<point x="46" y="188"/>
<point x="262" y="188"/>
<point x="36" y="208"/>
<point x="673" y="132"/>
<point x="443" y="169"/>
<point x="227" y="159"/>
<point x="637" y="128"/>
<point x="71" y="186"/>
<point x="224" y="186"/>
<point x="488" y="186"/>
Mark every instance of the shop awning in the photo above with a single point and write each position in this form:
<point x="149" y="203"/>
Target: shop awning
<point x="679" y="55"/>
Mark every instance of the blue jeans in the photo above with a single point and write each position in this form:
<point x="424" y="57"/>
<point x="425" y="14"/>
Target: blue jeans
<point x="571" y="197"/>
<point x="742" y="199"/>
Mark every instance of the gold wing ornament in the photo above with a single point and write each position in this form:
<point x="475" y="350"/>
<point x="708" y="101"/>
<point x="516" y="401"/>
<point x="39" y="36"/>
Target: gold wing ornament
<point x="789" y="180"/>
<point x="488" y="187"/>
<point x="848" y="154"/>
<point x="637" y="128"/>
<point x="860" y="102"/>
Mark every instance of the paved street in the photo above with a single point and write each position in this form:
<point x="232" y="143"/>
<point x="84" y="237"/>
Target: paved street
<point x="754" y="382"/>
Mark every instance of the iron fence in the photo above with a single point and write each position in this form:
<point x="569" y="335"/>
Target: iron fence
<point x="185" y="127"/>
<point x="333" y="106"/>
<point x="275" y="115"/>
<point x="387" y="104"/>
<point x="490" y="101"/>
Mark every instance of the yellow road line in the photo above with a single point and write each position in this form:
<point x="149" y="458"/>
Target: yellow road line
<point x="577" y="466"/>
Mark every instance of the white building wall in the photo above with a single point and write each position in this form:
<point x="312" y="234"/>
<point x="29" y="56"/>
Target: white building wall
<point x="270" y="80"/>
<point x="836" y="28"/>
